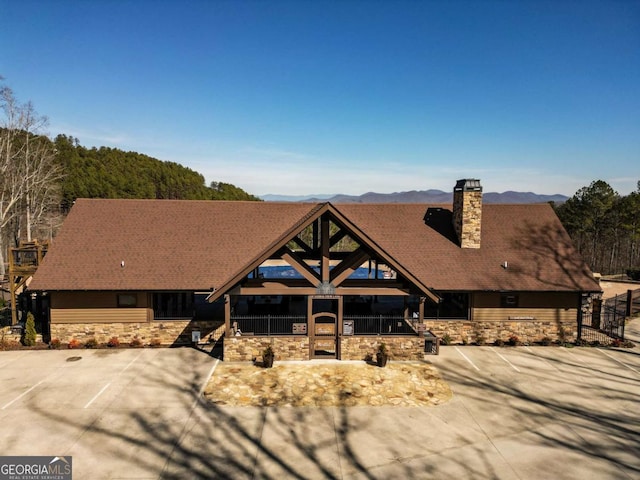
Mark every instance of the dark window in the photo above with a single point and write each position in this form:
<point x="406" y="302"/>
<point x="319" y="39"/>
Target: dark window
<point x="173" y="305"/>
<point x="509" y="300"/>
<point x="127" y="300"/>
<point x="452" y="305"/>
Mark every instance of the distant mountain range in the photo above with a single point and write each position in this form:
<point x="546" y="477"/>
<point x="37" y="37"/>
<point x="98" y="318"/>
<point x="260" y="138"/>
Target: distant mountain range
<point x="421" y="196"/>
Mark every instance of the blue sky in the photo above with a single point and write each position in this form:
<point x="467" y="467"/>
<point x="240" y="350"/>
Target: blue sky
<point x="301" y="97"/>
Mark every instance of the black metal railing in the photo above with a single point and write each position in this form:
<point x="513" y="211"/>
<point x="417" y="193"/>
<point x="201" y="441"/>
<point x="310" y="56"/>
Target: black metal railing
<point x="383" y="325"/>
<point x="269" y="324"/>
<point x="610" y="320"/>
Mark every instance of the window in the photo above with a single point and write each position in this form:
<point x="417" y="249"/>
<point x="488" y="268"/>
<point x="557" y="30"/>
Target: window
<point x="509" y="300"/>
<point x="127" y="300"/>
<point x="452" y="305"/>
<point x="173" y="305"/>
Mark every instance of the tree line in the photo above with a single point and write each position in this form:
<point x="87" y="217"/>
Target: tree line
<point x="40" y="177"/>
<point x="112" y="173"/>
<point x="605" y="227"/>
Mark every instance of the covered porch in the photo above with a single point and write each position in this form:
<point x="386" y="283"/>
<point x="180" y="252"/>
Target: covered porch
<point x="325" y="292"/>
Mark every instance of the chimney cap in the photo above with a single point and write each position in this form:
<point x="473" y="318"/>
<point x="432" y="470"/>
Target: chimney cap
<point x="468" y="185"/>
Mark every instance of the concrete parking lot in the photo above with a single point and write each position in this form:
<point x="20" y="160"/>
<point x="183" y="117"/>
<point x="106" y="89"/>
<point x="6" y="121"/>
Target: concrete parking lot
<point x="516" y="413"/>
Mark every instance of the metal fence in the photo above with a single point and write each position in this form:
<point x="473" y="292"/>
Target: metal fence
<point x="383" y="325"/>
<point x="269" y="324"/>
<point x="297" y="324"/>
<point x="609" y="321"/>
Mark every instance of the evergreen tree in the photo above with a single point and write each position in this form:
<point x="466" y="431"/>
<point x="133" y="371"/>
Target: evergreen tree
<point x="29" y="334"/>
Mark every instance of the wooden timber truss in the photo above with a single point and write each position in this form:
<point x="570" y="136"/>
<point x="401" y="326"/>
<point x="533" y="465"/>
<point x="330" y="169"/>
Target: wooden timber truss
<point x="325" y="251"/>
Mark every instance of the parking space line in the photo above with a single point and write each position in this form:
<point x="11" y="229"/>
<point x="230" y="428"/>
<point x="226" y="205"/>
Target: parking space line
<point x="616" y="360"/>
<point x="131" y="362"/>
<point x="21" y="395"/>
<point x="507" y="361"/>
<point x="467" y="359"/>
<point x="97" y="395"/>
<point x="575" y="357"/>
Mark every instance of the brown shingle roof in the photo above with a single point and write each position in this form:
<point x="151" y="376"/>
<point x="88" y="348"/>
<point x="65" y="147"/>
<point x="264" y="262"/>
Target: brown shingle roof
<point x="195" y="245"/>
<point x="165" y="244"/>
<point x="530" y="238"/>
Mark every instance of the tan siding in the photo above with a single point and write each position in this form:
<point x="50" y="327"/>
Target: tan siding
<point x="537" y="306"/>
<point x="524" y="314"/>
<point x="99" y="315"/>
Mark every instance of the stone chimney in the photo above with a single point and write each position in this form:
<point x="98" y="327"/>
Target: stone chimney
<point x="467" y="212"/>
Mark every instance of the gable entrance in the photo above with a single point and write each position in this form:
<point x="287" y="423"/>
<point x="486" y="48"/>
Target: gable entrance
<point x="324" y="280"/>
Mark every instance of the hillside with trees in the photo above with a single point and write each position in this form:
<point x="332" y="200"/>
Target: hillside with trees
<point x="604" y="226"/>
<point x="112" y="173"/>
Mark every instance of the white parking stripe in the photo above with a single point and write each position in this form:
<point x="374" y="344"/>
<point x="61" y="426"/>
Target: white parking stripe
<point x="507" y="361"/>
<point x="467" y="359"/>
<point x="616" y="360"/>
<point x="21" y="395"/>
<point x="97" y="395"/>
<point x="131" y="362"/>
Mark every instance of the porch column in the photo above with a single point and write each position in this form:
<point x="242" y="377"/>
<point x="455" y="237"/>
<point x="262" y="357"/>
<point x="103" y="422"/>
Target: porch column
<point x="325" y="247"/>
<point x="227" y="316"/>
<point x="421" y="313"/>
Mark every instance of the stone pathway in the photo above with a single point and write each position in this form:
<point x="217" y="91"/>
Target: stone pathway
<point x="305" y="384"/>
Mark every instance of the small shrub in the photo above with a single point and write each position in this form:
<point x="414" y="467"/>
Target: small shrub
<point x="628" y="344"/>
<point x="136" y="342"/>
<point x="113" y="342"/>
<point x="581" y="343"/>
<point x="562" y="335"/>
<point x="499" y="342"/>
<point x="616" y="342"/>
<point x="481" y="340"/>
<point x="91" y="343"/>
<point x="29" y="334"/>
<point x="155" y="342"/>
<point x="514" y="340"/>
<point x="54" y="344"/>
<point x="74" y="343"/>
<point x="446" y="339"/>
<point x="546" y="341"/>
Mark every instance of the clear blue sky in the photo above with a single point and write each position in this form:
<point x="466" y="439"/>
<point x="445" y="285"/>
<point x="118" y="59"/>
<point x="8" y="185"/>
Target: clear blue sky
<point x="300" y="97"/>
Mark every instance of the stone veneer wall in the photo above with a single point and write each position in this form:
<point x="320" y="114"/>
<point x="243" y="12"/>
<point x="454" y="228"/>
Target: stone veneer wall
<point x="400" y="348"/>
<point x="467" y="217"/>
<point x="249" y="348"/>
<point x="7" y="337"/>
<point x="465" y="331"/>
<point x="174" y="332"/>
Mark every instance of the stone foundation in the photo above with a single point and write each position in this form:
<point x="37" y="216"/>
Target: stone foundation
<point x="464" y="331"/>
<point x="248" y="349"/>
<point x="400" y="348"/>
<point x="6" y="337"/>
<point x="176" y="332"/>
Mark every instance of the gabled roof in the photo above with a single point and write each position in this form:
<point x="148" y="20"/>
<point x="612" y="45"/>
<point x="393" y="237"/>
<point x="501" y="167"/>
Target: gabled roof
<point x="196" y="245"/>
